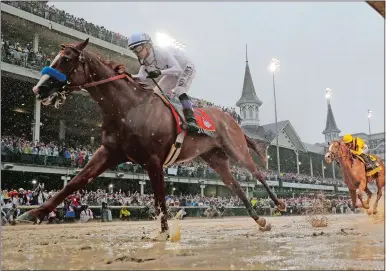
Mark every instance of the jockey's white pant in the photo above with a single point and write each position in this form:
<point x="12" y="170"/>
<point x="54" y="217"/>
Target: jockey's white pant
<point x="177" y="84"/>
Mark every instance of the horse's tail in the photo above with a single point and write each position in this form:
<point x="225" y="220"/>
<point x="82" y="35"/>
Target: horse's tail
<point x="258" y="150"/>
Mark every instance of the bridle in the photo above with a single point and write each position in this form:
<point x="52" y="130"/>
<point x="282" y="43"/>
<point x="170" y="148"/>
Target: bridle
<point x="341" y="154"/>
<point x="66" y="87"/>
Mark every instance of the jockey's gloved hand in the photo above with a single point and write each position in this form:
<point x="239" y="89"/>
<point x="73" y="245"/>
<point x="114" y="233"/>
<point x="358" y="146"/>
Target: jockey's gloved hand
<point x="153" y="74"/>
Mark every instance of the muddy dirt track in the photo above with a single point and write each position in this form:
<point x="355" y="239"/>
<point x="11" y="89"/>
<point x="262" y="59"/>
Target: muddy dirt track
<point x="349" y="242"/>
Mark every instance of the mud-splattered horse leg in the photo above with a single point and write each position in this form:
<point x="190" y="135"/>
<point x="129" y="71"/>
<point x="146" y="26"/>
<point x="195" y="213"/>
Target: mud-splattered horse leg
<point x="155" y="172"/>
<point x="353" y="196"/>
<point x="102" y="160"/>
<point x="362" y="187"/>
<point x="368" y="193"/>
<point x="241" y="155"/>
<point x="380" y="184"/>
<point x="219" y="162"/>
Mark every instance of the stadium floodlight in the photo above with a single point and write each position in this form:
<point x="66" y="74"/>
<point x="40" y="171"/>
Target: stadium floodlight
<point x="165" y="40"/>
<point x="369" y="114"/>
<point x="275" y="65"/>
<point x="111" y="186"/>
<point x="34" y="181"/>
<point x="328" y="93"/>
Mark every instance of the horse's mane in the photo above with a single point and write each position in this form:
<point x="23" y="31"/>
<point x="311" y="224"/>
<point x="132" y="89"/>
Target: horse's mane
<point x="118" y="68"/>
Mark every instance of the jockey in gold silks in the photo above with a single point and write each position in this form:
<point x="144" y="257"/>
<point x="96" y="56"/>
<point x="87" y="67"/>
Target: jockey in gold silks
<point x="358" y="147"/>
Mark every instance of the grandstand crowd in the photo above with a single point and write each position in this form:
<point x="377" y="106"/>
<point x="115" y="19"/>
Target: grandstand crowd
<point x="23" y="197"/>
<point x="77" y="204"/>
<point x="78" y="156"/>
<point x="50" y="12"/>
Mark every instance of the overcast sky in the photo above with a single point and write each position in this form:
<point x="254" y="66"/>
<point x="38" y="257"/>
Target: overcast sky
<point x="320" y="45"/>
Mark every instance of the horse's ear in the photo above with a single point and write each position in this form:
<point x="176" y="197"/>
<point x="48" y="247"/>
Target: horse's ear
<point x="82" y="45"/>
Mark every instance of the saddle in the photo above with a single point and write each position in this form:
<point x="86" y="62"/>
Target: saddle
<point x="374" y="166"/>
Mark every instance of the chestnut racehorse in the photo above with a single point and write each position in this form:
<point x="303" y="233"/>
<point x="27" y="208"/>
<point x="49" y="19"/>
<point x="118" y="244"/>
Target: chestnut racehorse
<point x="139" y="127"/>
<point x="354" y="174"/>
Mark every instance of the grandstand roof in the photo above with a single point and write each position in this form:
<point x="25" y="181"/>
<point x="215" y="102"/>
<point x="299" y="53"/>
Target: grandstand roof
<point x="267" y="133"/>
<point x="252" y="131"/>
<point x="331" y="126"/>
<point x="314" y="148"/>
<point x="249" y="94"/>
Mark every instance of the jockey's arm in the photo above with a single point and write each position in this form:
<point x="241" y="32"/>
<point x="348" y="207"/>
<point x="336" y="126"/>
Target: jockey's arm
<point x="172" y="63"/>
<point x="356" y="152"/>
<point x="141" y="73"/>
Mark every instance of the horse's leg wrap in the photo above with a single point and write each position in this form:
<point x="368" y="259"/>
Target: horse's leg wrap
<point x="264" y="225"/>
<point x="379" y="195"/>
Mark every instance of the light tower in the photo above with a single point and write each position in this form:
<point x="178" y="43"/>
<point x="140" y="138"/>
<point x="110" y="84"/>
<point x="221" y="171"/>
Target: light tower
<point x="369" y="117"/>
<point x="275" y="67"/>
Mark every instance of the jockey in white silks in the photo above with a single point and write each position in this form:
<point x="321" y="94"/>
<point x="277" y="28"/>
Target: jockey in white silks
<point x="175" y="69"/>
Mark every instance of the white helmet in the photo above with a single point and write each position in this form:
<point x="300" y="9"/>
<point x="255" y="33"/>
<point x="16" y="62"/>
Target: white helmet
<point x="138" y="39"/>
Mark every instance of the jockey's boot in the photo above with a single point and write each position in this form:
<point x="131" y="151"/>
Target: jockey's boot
<point x="187" y="108"/>
<point x="368" y="163"/>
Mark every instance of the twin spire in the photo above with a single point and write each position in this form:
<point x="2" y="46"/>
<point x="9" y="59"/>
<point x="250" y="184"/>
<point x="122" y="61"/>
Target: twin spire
<point x="248" y="94"/>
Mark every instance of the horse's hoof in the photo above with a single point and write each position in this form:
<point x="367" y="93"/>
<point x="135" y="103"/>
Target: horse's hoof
<point x="366" y="206"/>
<point x="26" y="218"/>
<point x="375" y="212"/>
<point x="267" y="227"/>
<point x="281" y="206"/>
<point x="263" y="224"/>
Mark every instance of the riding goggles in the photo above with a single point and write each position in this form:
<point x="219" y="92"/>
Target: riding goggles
<point x="138" y="49"/>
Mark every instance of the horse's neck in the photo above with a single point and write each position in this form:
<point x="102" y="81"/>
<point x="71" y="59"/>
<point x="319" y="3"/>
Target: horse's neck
<point x="346" y="167"/>
<point x="115" y="97"/>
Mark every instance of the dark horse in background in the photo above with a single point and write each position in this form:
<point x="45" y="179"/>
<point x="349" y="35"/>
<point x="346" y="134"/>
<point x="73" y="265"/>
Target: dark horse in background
<point x="138" y="127"/>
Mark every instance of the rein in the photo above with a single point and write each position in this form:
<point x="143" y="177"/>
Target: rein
<point x="100" y="82"/>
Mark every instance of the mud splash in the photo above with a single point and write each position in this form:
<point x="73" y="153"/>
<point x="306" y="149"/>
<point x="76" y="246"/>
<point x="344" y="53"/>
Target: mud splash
<point x="173" y="235"/>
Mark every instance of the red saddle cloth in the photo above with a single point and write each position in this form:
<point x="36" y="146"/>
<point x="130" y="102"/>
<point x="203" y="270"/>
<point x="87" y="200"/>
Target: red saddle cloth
<point x="203" y="120"/>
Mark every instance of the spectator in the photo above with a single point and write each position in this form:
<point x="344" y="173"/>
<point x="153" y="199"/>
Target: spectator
<point x="180" y="214"/>
<point x="124" y="214"/>
<point x="86" y="214"/>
